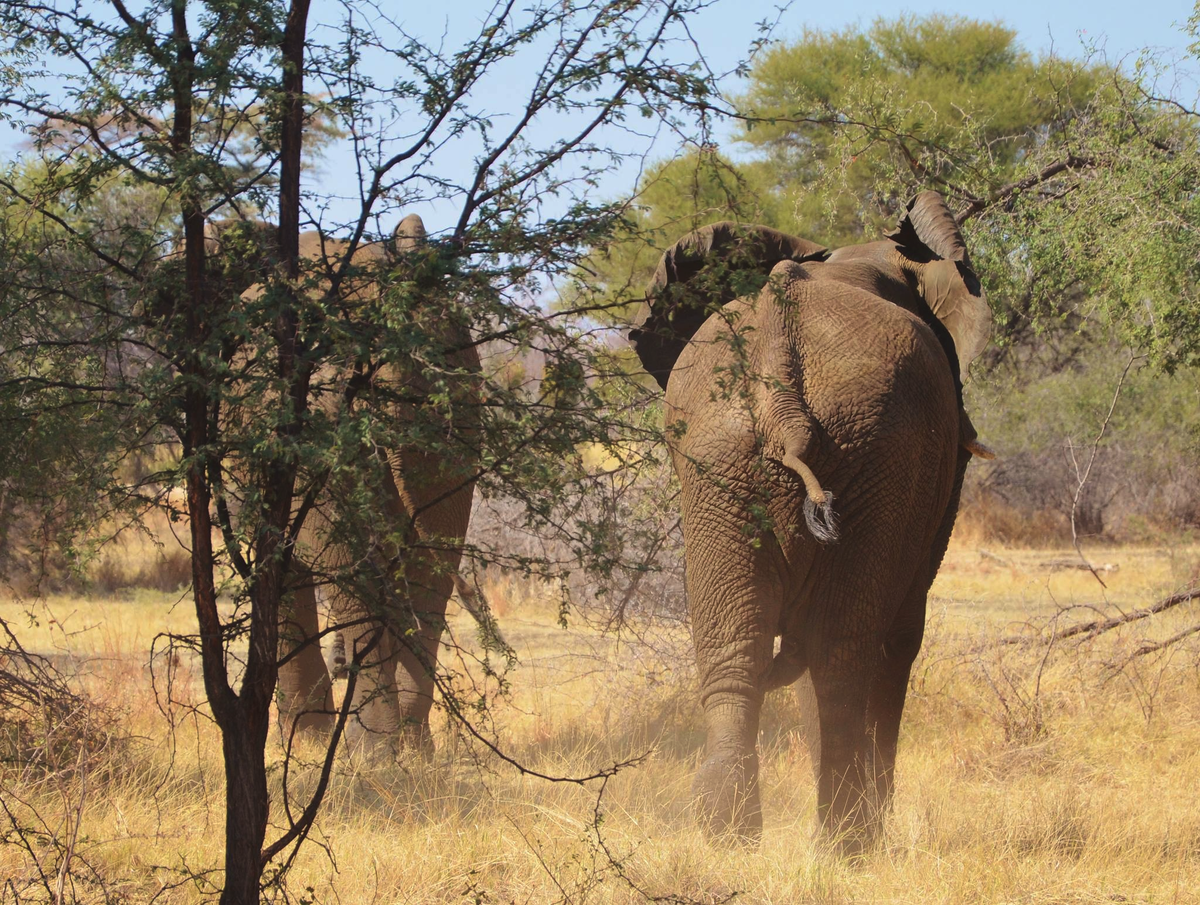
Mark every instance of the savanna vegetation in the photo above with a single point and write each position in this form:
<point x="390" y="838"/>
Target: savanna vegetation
<point x="1034" y="771"/>
<point x="168" y="441"/>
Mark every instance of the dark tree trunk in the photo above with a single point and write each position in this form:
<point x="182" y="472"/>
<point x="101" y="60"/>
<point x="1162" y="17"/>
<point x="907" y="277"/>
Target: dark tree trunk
<point x="243" y="717"/>
<point x="245" y="736"/>
<point x="244" y="741"/>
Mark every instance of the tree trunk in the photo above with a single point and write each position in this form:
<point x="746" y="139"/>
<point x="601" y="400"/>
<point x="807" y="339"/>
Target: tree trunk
<point x="244" y="744"/>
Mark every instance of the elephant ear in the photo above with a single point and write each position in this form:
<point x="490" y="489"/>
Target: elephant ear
<point x="410" y="233"/>
<point x="929" y="235"/>
<point x="704" y="270"/>
<point x="414" y="258"/>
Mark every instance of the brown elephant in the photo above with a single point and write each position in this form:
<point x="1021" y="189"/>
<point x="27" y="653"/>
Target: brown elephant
<point x="426" y="501"/>
<point x="834" y="391"/>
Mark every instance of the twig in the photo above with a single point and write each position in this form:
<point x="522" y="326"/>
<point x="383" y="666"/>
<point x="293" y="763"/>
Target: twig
<point x="299" y="829"/>
<point x="618" y="864"/>
<point x="988" y="554"/>
<point x="1055" y="565"/>
<point x="64" y="869"/>
<point x="1150" y="647"/>
<point x="978" y="205"/>
<point x="1083" y="479"/>
<point x="1100" y="626"/>
<point x="537" y="853"/>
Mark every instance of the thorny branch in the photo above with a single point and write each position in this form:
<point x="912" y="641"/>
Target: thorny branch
<point x="1004" y="192"/>
<point x="1082" y="478"/>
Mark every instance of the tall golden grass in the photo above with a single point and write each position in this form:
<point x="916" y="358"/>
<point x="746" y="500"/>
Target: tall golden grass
<point x="1028" y="772"/>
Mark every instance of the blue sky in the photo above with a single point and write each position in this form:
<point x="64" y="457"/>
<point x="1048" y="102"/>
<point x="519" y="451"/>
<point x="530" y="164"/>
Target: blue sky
<point x="724" y="32"/>
<point x="1124" y="26"/>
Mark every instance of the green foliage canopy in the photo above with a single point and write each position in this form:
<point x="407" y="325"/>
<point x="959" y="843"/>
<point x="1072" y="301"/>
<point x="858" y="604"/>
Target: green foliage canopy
<point x="850" y="123"/>
<point x="268" y="385"/>
<point x="1076" y="181"/>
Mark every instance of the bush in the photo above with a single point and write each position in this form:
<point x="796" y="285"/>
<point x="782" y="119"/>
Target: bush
<point x="1145" y="481"/>
<point x="45" y="724"/>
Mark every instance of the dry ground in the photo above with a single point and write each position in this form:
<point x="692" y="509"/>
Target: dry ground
<point x="1028" y="772"/>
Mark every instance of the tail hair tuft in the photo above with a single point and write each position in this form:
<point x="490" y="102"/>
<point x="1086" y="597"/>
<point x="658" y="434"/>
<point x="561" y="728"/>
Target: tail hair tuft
<point x="821" y="520"/>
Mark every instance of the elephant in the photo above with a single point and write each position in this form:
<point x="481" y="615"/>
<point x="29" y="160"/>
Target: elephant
<point x="427" y="501"/>
<point x="797" y="377"/>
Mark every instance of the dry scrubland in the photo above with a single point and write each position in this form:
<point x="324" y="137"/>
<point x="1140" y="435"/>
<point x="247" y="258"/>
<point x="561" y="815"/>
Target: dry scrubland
<point x="1026" y="774"/>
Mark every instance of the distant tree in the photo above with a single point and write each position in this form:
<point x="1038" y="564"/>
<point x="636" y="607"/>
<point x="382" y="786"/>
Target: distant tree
<point x="1075" y="181"/>
<point x="852" y="122"/>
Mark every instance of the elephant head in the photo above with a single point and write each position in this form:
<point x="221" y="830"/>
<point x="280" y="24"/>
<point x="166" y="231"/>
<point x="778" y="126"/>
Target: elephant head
<point x="922" y="265"/>
<point x="706" y="269"/>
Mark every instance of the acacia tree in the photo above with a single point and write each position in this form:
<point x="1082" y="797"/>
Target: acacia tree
<point x="1068" y="176"/>
<point x="127" y="328"/>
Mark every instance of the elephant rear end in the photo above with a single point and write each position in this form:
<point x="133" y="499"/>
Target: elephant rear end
<point x="856" y="389"/>
<point x="866" y="397"/>
<point x="835" y="386"/>
<point x="858" y="392"/>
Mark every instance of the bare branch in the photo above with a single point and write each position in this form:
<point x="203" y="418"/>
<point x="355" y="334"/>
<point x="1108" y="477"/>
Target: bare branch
<point x="1002" y="194"/>
<point x="1082" y="478"/>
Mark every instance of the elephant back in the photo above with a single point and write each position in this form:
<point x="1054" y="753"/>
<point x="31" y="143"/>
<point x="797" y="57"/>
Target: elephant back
<point x="703" y="271"/>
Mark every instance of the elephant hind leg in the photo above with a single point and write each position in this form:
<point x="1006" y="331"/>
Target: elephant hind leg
<point x="890" y="686"/>
<point x="725" y="794"/>
<point x="834" y="730"/>
<point x="305" y="694"/>
<point x="810" y="722"/>
<point x="416" y="660"/>
<point x="375" y="716"/>
<point x="734" y="600"/>
<point x="851" y="705"/>
<point x="847" y="803"/>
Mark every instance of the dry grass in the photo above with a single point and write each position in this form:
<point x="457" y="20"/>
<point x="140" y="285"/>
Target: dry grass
<point x="1024" y="776"/>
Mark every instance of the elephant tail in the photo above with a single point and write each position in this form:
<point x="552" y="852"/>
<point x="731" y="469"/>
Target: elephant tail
<point x="968" y="437"/>
<point x="818" y="504"/>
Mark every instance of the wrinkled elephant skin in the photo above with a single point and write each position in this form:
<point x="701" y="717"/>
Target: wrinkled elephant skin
<point x="827" y="405"/>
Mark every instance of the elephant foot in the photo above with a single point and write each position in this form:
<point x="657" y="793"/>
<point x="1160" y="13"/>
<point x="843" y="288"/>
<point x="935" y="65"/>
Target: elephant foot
<point x="726" y="801"/>
<point x="415" y="738"/>
<point x="374" y="746"/>
<point x="311" y="715"/>
<point x="313" y="725"/>
<point x="853" y="830"/>
<point x="851" y="844"/>
<point x="405" y="742"/>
